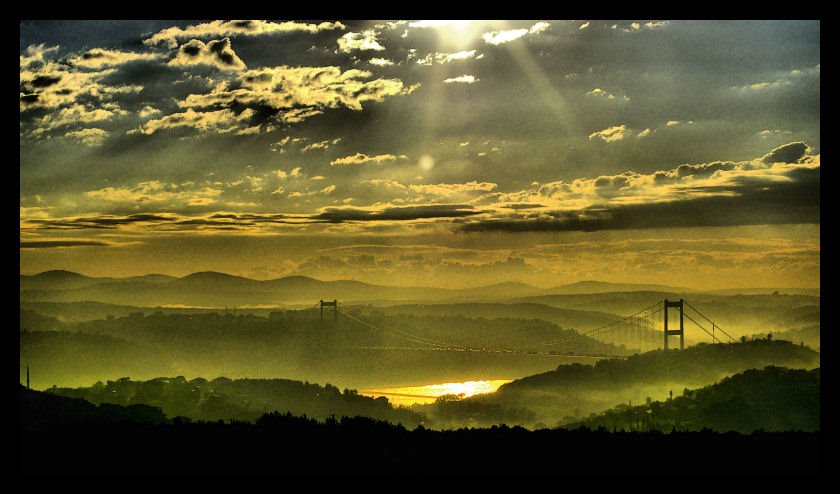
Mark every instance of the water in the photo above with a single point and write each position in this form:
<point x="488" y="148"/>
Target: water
<point x="411" y="395"/>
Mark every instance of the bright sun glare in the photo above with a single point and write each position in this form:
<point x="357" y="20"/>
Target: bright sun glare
<point x="410" y="395"/>
<point x="457" y="33"/>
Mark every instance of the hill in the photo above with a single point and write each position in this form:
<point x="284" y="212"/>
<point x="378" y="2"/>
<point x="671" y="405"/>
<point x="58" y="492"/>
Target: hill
<point x="359" y="350"/>
<point x="213" y="289"/>
<point x="771" y="399"/>
<point x="240" y="399"/>
<point x="739" y="315"/>
<point x="55" y="439"/>
<point x="580" y="320"/>
<point x="572" y="391"/>
<point x="55" y="280"/>
<point x="40" y="410"/>
<point x="591" y="286"/>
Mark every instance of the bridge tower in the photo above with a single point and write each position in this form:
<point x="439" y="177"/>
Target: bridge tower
<point x="334" y="305"/>
<point x="674" y="332"/>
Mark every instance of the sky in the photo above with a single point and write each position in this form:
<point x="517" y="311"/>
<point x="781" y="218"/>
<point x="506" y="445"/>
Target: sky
<point x="423" y="152"/>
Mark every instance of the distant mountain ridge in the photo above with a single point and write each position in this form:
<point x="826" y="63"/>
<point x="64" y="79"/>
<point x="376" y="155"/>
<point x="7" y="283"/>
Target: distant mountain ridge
<point x="215" y="289"/>
<point x="593" y="286"/>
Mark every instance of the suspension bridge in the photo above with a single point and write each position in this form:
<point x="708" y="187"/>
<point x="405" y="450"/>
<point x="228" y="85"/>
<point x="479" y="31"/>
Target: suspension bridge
<point x="645" y="330"/>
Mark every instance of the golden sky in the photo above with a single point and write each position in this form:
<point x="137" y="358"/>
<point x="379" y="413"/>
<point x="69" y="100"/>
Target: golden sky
<point x="447" y="153"/>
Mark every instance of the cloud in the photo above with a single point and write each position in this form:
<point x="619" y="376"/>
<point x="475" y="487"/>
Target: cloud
<point x="598" y="92"/>
<point x="47" y="244"/>
<point x="722" y="193"/>
<point x="156" y="192"/>
<point x="363" y="41"/>
<point x="539" y="27"/>
<point x="525" y="205"/>
<point x="170" y="36"/>
<point x="380" y="62"/>
<point x="100" y="222"/>
<point x="783" y="79"/>
<point x="221" y="121"/>
<point x="787" y="153"/>
<point x="635" y="27"/>
<point x="52" y="85"/>
<point x="611" y="134"/>
<point x="299" y="115"/>
<point x="360" y="159"/>
<point x="36" y="54"/>
<point x="321" y="145"/>
<point x="299" y="92"/>
<point x="98" y="58"/>
<point x="764" y="134"/>
<point x="408" y="213"/>
<point x="77" y="114"/>
<point x="500" y="37"/>
<point x="217" y="53"/>
<point x="148" y="111"/>
<point x="782" y="187"/>
<point x="451" y="57"/>
<point x="91" y="137"/>
<point x="464" y="79"/>
<point x="448" y="57"/>
<point x="451" y="189"/>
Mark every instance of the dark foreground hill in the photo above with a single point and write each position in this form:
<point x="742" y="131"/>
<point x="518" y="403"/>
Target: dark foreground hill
<point x="771" y="399"/>
<point x="240" y="399"/>
<point x="572" y="392"/>
<point x="281" y="443"/>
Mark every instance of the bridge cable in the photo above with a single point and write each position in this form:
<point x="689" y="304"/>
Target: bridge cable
<point x="593" y="331"/>
<point x="709" y="320"/>
<point x="701" y="327"/>
<point x="408" y="336"/>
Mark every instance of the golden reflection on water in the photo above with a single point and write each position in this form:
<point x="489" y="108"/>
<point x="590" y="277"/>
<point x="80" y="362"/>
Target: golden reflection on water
<point x="411" y="395"/>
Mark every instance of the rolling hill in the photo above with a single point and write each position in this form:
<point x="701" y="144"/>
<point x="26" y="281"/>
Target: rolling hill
<point x="772" y="399"/>
<point x="213" y="289"/>
<point x="572" y="391"/>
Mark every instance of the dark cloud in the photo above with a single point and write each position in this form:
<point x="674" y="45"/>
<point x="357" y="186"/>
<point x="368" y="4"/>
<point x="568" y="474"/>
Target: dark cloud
<point x="754" y="202"/>
<point x="787" y="153"/>
<point x="44" y="81"/>
<point x="99" y="222"/>
<point x="341" y="215"/>
<point x="216" y="52"/>
<point x="524" y="205"/>
<point x="245" y="216"/>
<point x="46" y="244"/>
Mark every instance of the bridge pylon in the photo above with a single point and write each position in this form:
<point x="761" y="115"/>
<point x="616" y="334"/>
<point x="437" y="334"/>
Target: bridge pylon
<point x="334" y="305"/>
<point x="674" y="332"/>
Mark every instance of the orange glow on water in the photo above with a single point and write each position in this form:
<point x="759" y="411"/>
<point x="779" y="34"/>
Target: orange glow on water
<point x="412" y="395"/>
